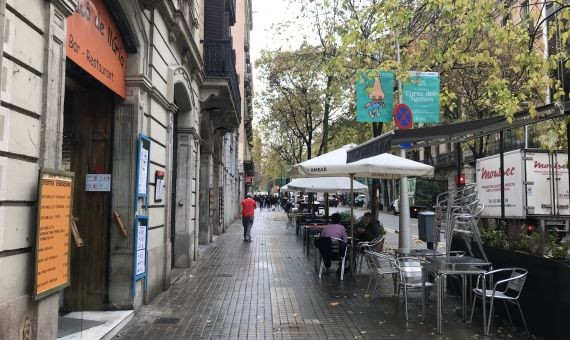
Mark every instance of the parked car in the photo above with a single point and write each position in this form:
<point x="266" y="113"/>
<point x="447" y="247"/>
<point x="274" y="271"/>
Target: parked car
<point x="360" y="200"/>
<point x="396" y="206"/>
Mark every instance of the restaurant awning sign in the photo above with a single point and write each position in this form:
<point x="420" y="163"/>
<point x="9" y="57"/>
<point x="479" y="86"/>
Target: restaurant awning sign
<point x="421" y="94"/>
<point x="374" y="96"/>
<point x="95" y="44"/>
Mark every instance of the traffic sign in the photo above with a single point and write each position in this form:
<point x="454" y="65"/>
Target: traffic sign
<point x="403" y="116"/>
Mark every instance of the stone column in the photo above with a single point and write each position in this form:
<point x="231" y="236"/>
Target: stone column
<point x="204" y="196"/>
<point x="52" y="130"/>
<point x="184" y="229"/>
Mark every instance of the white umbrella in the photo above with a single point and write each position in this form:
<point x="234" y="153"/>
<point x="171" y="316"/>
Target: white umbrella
<point x="324" y="184"/>
<point x="383" y="166"/>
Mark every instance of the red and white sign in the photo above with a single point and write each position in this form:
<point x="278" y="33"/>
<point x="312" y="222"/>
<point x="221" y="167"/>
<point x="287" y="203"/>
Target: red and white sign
<point x="540" y="168"/>
<point x="529" y="189"/>
<point x="489" y="184"/>
<point x="248" y="180"/>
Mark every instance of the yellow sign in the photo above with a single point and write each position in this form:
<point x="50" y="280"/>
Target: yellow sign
<point x="95" y="44"/>
<point x="52" y="240"/>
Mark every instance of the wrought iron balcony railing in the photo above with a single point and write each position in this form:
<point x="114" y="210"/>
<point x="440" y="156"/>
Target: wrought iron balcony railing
<point x="219" y="62"/>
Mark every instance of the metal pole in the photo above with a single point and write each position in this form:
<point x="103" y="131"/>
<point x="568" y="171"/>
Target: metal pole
<point x="352" y="265"/>
<point x="405" y="235"/>
<point x="502" y="160"/>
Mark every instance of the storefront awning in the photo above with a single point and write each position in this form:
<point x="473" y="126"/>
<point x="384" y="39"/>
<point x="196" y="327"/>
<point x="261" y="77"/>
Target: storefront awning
<point x="452" y="133"/>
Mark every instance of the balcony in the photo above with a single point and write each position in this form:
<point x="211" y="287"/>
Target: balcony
<point x="446" y="159"/>
<point x="222" y="79"/>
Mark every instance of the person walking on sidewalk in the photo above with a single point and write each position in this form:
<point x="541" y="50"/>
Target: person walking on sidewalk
<point x="248" y="206"/>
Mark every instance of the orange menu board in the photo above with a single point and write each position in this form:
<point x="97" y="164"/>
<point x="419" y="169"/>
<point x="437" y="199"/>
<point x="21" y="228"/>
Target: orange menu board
<point x="52" y="239"/>
<point x="95" y="44"/>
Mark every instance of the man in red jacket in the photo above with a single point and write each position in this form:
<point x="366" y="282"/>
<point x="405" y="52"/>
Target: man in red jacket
<point x="248" y="206"/>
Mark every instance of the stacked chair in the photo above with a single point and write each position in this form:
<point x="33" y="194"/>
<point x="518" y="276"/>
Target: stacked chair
<point x="458" y="212"/>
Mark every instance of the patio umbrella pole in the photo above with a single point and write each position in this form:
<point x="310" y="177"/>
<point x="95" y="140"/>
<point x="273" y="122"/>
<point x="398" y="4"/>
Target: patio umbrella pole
<point x="352" y="265"/>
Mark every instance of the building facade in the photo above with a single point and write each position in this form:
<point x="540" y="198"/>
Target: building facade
<point x="141" y="101"/>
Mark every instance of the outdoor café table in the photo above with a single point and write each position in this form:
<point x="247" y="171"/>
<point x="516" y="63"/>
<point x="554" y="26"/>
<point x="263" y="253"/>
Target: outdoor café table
<point x="416" y="252"/>
<point x="300" y="218"/>
<point x="308" y="230"/>
<point x="440" y="270"/>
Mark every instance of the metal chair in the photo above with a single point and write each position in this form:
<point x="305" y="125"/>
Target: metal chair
<point x="380" y="265"/>
<point x="511" y="291"/>
<point x="337" y="252"/>
<point x="410" y="274"/>
<point x="373" y="245"/>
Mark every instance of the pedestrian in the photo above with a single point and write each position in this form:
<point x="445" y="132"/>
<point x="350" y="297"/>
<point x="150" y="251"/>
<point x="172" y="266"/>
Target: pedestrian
<point x="247" y="211"/>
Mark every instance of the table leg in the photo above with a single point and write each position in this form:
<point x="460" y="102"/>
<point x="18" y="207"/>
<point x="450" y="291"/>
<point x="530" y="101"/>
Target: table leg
<point x="424" y="274"/>
<point x="484" y="306"/>
<point x="438" y="280"/>
<point x="464" y="293"/>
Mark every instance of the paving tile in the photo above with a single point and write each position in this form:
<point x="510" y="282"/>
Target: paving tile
<point x="268" y="289"/>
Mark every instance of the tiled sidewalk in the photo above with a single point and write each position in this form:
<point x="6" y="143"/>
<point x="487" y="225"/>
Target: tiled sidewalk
<point x="268" y="289"/>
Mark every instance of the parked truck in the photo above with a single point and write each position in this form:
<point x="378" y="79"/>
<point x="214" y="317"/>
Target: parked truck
<point x="422" y="194"/>
<point x="535" y="187"/>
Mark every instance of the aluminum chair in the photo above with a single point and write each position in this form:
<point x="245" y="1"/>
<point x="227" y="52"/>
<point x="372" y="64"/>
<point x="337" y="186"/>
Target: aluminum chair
<point x="410" y="277"/>
<point x="373" y="245"/>
<point x="511" y="291"/>
<point x="380" y="265"/>
<point x="336" y="254"/>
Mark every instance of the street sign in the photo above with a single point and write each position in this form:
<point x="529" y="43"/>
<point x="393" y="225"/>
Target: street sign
<point x="403" y="116"/>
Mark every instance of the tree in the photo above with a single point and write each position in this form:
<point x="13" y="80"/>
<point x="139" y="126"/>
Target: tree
<point x="296" y="104"/>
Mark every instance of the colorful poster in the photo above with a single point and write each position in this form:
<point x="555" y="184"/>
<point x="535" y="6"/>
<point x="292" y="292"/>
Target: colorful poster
<point x="374" y="96"/>
<point x="421" y="94"/>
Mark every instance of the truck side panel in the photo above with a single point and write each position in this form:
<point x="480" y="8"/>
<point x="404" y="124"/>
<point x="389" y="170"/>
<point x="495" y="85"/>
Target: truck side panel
<point x="488" y="179"/>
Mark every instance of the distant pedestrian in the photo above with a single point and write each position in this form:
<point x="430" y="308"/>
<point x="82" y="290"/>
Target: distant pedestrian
<point x="248" y="206"/>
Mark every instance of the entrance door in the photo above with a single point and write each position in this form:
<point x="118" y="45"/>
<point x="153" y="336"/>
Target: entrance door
<point x="87" y="147"/>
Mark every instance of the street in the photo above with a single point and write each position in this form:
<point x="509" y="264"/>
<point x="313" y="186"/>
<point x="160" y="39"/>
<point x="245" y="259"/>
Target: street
<point x="388" y="219"/>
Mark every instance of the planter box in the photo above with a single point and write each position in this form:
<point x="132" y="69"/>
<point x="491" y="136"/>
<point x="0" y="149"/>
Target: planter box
<point x="545" y="299"/>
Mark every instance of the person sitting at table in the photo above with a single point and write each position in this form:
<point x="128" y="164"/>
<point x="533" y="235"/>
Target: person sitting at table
<point x="371" y="230"/>
<point x="333" y="230"/>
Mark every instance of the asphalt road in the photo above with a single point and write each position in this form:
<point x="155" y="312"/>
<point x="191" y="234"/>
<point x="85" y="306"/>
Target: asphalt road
<point x="389" y="220"/>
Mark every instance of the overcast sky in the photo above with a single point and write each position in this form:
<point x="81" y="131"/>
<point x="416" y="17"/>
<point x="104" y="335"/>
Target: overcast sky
<point x="266" y="14"/>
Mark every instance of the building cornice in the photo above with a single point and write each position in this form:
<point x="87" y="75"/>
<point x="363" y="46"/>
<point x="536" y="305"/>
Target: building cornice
<point x="67" y="7"/>
<point x="180" y="33"/>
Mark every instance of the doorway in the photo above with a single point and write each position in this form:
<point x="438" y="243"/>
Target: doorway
<point x="87" y="149"/>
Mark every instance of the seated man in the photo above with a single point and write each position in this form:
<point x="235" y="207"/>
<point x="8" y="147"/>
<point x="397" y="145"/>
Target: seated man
<point x="371" y="231"/>
<point x="333" y="230"/>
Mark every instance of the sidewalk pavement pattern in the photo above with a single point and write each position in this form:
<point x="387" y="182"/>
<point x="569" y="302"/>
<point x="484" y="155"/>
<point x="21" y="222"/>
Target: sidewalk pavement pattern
<point x="268" y="289"/>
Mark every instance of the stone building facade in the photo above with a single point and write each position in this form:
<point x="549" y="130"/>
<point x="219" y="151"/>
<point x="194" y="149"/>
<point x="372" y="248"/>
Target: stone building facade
<point x="168" y="76"/>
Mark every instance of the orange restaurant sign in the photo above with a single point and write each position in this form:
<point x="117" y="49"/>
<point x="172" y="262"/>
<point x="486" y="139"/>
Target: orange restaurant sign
<point x="94" y="43"/>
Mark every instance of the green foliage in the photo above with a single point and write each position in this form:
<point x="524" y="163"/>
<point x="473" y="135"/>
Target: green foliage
<point x="494" y="237"/>
<point x="561" y="250"/>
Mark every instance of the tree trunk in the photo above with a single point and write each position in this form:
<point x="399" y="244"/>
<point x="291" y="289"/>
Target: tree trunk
<point x="326" y="116"/>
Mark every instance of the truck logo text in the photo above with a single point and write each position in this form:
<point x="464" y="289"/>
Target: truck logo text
<point x="548" y="166"/>
<point x="489" y="174"/>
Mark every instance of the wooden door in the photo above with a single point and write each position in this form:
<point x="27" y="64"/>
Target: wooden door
<point x="88" y="119"/>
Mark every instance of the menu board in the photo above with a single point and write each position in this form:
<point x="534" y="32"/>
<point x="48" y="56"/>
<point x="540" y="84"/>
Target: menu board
<point x="140" y="245"/>
<point x="52" y="238"/>
<point x="143" y="165"/>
